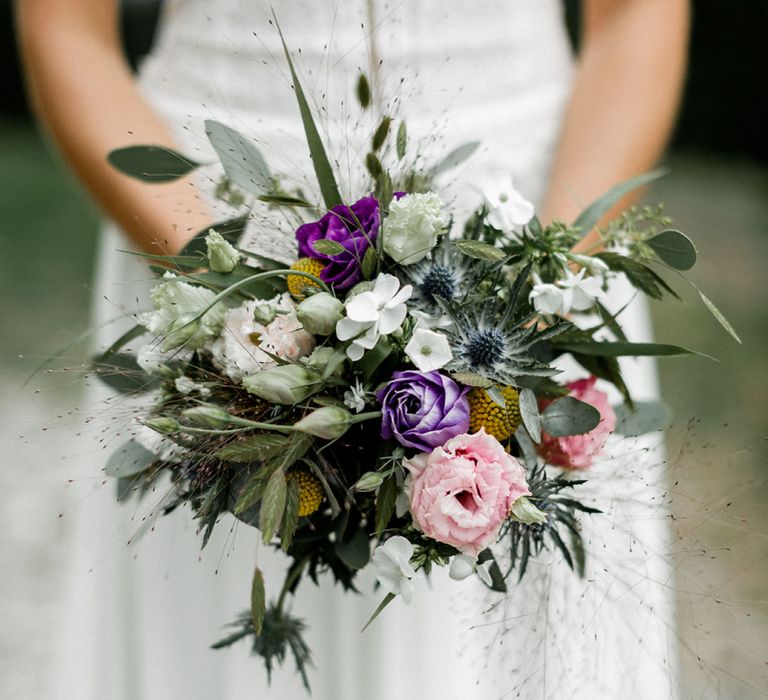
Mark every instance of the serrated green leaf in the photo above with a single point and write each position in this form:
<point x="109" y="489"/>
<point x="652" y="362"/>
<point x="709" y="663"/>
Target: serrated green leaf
<point x="291" y="515"/>
<point x="590" y="217"/>
<point x="721" y="319"/>
<point x="385" y="503"/>
<point x="129" y="459"/>
<point x="242" y="161"/>
<point x="354" y="552"/>
<point x="327" y="246"/>
<point x="273" y="505"/>
<point x="380" y="135"/>
<point x="254" y="448"/>
<point x="258" y="601"/>
<point x="151" y="163"/>
<point x="529" y="413"/>
<point x="320" y="162"/>
<point x="674" y="248"/>
<point x="363" y="91"/>
<point x="480" y="250"/>
<point x="569" y="416"/>
<point x="401" y="142"/>
<point x="456" y="157"/>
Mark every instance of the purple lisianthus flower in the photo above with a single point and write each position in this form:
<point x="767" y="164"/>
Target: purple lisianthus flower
<point x="355" y="228"/>
<point x="423" y="410"/>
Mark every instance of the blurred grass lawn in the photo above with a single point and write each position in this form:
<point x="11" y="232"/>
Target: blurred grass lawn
<point x="49" y="239"/>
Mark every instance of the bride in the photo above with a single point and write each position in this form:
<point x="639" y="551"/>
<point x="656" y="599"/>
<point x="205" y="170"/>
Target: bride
<point x="140" y="619"/>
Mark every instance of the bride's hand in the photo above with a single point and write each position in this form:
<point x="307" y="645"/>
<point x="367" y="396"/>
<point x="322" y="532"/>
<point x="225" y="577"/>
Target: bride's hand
<point x="84" y="93"/>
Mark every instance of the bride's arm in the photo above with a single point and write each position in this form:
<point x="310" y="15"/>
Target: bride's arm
<point x="84" y="93"/>
<point x="625" y="97"/>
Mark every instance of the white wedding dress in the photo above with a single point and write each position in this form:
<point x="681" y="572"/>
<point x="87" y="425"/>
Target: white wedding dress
<point x="141" y="617"/>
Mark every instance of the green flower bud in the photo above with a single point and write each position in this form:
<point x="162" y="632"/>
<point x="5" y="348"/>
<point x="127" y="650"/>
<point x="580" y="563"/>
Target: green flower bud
<point x="163" y="425"/>
<point x="525" y="512"/>
<point x="286" y="384"/>
<point x="264" y="313"/>
<point x="328" y="422"/>
<point x="369" y="481"/>
<point x="222" y="256"/>
<point x="319" y="313"/>
<point x="207" y="416"/>
<point x="180" y="331"/>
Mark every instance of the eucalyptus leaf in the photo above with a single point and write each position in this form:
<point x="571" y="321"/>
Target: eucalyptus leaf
<point x="480" y="250"/>
<point x="401" y="141"/>
<point x="639" y="275"/>
<point x="320" y="162"/>
<point x="645" y="417"/>
<point x="258" y="601"/>
<point x="273" y="505"/>
<point x="496" y="396"/>
<point x="569" y="416"/>
<point x="151" y="163"/>
<point x="242" y="161"/>
<point x="129" y="459"/>
<point x="674" y="248"/>
<point x="355" y="552"/>
<point x="529" y="413"/>
<point x="591" y="216"/>
<point x="327" y="246"/>
<point x="455" y="158"/>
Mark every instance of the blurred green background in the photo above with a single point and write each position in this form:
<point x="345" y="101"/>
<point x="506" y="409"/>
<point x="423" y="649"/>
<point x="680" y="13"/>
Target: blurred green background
<point x="717" y="192"/>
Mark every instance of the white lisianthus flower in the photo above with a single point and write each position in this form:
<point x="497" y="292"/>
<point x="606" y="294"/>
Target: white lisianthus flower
<point x="154" y="360"/>
<point x="372" y="314"/>
<point x="222" y="255"/>
<point x="523" y="511"/>
<point x="428" y="350"/>
<point x="574" y="293"/>
<point x="507" y="208"/>
<point x="175" y="303"/>
<point x="412" y="227"/>
<point x="393" y="566"/>
<point x="354" y="397"/>
<point x="245" y="345"/>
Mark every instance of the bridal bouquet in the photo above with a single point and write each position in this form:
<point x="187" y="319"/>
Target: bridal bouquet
<point x="391" y="397"/>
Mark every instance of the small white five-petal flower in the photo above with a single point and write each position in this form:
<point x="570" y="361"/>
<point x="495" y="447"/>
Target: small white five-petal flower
<point x="574" y="293"/>
<point x="354" y="397"/>
<point x="507" y="208"/>
<point x="428" y="350"/>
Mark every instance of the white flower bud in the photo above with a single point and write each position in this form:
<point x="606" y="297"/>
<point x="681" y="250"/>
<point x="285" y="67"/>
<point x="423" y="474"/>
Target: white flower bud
<point x="286" y="384"/>
<point x="369" y="481"/>
<point x="328" y="422"/>
<point x="163" y="425"/>
<point x="222" y="256"/>
<point x="462" y="566"/>
<point x="207" y="416"/>
<point x="319" y="313"/>
<point x="525" y="512"/>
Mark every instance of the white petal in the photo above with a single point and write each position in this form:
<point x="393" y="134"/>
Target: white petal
<point x="355" y="352"/>
<point x="391" y="319"/>
<point x="363" y="307"/>
<point x="386" y="287"/>
<point x="484" y="572"/>
<point x="346" y="328"/>
<point x="401" y="297"/>
<point x="546" y="298"/>
<point x="462" y="566"/>
<point x="406" y="590"/>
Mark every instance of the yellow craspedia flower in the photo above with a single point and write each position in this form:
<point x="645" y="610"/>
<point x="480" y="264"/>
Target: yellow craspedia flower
<point x="484" y="412"/>
<point x="311" y="493"/>
<point x="298" y="285"/>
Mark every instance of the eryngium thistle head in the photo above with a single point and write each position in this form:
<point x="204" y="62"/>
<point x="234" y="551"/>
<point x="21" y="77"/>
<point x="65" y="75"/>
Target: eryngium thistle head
<point x="484" y="348"/>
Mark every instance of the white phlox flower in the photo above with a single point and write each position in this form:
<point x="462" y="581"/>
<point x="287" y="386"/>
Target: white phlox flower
<point x="428" y="350"/>
<point x="372" y="314"/>
<point x="507" y="208"/>
<point x="354" y="397"/>
<point x="393" y="567"/>
<point x="574" y="293"/>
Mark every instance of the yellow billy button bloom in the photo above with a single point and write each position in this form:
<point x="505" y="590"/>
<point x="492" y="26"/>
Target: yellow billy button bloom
<point x="484" y="412"/>
<point x="311" y="493"/>
<point x="298" y="285"/>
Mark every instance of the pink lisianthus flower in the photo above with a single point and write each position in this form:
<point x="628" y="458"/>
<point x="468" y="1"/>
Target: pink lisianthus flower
<point x="461" y="493"/>
<point x="578" y="451"/>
